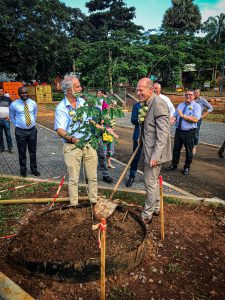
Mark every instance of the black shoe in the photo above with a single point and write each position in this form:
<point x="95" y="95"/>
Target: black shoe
<point x="171" y="168"/>
<point x="36" y="173"/>
<point x="107" y="179"/>
<point x="156" y="213"/>
<point x="23" y="174"/>
<point x="220" y="154"/>
<point x="11" y="150"/>
<point x="130" y="181"/>
<point x="185" y="171"/>
<point x="2" y="150"/>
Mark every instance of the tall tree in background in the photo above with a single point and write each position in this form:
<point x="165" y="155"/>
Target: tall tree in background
<point x="109" y="15"/>
<point x="214" y="28"/>
<point x="183" y="17"/>
<point x="181" y="21"/>
<point x="35" y="36"/>
<point x="112" y="20"/>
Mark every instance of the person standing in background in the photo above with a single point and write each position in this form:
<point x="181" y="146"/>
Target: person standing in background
<point x="23" y="114"/>
<point x="102" y="150"/>
<point x="206" y="108"/>
<point x="186" y="116"/>
<point x="5" y="122"/>
<point x="136" y="133"/>
<point x="157" y="91"/>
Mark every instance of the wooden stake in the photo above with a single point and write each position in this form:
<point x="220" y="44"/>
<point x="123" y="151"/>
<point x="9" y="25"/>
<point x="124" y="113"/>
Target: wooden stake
<point x="161" y="207"/>
<point x="103" y="250"/>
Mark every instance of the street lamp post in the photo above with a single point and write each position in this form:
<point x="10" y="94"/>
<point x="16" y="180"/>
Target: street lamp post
<point x="222" y="72"/>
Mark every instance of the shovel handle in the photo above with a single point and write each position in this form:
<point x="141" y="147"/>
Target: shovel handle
<point x="123" y="173"/>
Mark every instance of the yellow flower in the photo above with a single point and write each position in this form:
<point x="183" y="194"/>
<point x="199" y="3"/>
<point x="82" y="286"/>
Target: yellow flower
<point x="71" y="113"/>
<point x="105" y="137"/>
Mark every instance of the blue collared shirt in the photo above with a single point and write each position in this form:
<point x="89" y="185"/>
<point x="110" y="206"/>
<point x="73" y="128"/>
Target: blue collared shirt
<point x="193" y="110"/>
<point x="204" y="104"/>
<point x="64" y="115"/>
<point x="17" y="116"/>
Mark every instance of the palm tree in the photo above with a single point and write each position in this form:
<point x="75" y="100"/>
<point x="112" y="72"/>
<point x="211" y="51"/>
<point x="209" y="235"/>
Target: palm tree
<point x="215" y="29"/>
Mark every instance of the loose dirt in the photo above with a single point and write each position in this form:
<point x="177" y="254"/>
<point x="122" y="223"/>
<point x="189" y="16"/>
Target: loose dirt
<point x="187" y="264"/>
<point x="66" y="235"/>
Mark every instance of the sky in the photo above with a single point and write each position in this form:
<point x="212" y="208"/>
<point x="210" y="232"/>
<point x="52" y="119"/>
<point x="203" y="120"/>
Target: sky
<point x="149" y="13"/>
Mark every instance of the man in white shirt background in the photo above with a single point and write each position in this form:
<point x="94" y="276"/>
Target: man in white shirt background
<point x="157" y="91"/>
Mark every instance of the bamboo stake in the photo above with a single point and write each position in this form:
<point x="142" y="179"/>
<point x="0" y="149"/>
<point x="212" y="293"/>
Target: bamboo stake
<point x="161" y="207"/>
<point x="38" y="200"/>
<point x="10" y="290"/>
<point x="103" y="250"/>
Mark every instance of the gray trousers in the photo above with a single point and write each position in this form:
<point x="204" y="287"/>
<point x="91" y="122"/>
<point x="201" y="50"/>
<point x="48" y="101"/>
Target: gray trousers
<point x="102" y="158"/>
<point x="152" y="202"/>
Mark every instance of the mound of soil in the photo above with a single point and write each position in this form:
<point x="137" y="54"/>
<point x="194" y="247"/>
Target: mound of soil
<point x="188" y="264"/>
<point x="66" y="238"/>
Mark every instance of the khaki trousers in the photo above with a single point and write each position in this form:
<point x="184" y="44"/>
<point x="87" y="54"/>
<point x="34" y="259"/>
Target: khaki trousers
<point x="73" y="159"/>
<point x="152" y="202"/>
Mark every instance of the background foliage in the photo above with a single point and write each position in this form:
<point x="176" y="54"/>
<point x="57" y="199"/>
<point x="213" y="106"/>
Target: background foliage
<point x="44" y="39"/>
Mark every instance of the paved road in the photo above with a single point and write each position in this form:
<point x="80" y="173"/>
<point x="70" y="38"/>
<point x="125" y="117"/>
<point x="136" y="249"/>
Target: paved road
<point x="211" y="133"/>
<point x="206" y="178"/>
<point x="51" y="162"/>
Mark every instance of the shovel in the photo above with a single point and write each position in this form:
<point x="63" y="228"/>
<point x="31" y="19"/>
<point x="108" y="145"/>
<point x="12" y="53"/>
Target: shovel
<point x="105" y="207"/>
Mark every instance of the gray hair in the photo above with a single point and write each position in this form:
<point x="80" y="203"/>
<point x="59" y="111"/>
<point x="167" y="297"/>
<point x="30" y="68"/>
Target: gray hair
<point x="67" y="83"/>
<point x="159" y="85"/>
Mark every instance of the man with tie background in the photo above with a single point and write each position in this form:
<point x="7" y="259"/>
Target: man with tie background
<point x="186" y="116"/>
<point x="23" y="114"/>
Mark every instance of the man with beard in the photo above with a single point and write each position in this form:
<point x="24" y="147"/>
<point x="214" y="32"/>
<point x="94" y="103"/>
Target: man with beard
<point x="69" y="131"/>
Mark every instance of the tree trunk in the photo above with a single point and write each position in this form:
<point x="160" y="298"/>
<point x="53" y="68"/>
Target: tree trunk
<point x="110" y="73"/>
<point x="180" y="75"/>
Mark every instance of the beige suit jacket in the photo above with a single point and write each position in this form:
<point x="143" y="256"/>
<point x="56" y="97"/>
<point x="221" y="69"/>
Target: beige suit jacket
<point x="156" y="132"/>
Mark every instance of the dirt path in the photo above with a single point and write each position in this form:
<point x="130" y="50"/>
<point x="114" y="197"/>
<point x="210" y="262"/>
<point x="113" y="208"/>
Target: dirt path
<point x="207" y="176"/>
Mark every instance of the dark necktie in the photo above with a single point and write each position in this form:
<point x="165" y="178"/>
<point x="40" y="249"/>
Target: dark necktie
<point x="180" y="119"/>
<point x="27" y="114"/>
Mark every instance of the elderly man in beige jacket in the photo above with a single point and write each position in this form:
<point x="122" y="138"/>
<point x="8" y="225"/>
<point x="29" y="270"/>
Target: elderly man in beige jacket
<point x="156" y="144"/>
